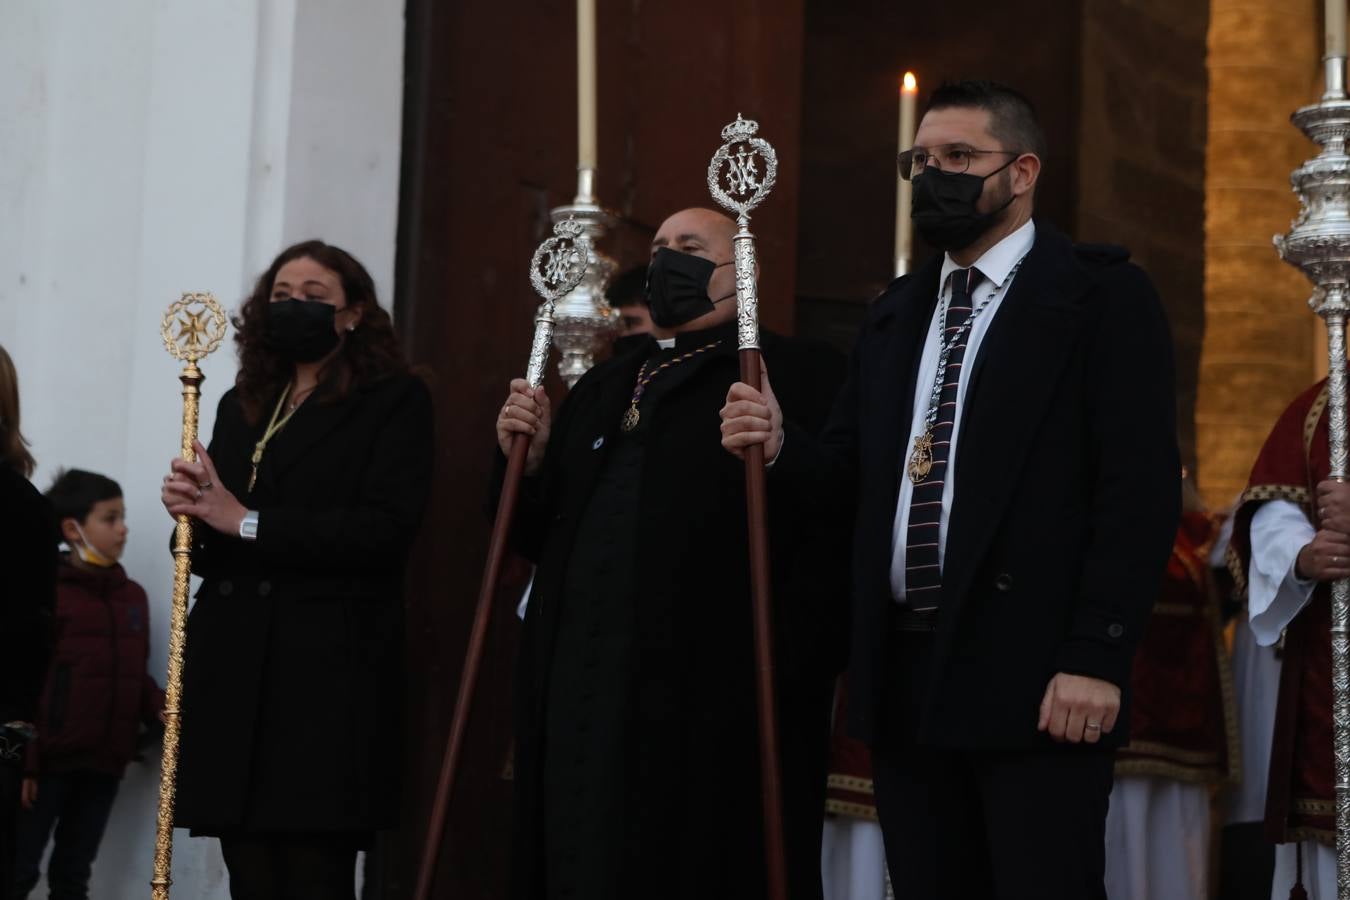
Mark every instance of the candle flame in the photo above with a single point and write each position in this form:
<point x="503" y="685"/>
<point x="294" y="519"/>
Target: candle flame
<point x="911" y="84"/>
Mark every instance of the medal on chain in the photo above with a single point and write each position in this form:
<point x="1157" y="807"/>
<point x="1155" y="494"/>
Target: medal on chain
<point x="920" y="464"/>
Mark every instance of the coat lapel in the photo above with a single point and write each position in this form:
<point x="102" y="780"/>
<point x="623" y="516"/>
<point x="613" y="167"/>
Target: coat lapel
<point x="312" y="422"/>
<point x="1016" y="372"/>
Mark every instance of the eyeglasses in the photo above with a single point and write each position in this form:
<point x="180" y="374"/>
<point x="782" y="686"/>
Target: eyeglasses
<point x="950" y="158"/>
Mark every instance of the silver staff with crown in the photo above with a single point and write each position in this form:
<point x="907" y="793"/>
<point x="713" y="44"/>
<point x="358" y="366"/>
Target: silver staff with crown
<point x="740" y="176"/>
<point x="1319" y="245"/>
<point x="192" y="328"/>
<point x="557" y="267"/>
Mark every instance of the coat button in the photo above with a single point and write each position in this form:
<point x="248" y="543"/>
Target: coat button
<point x="1004" y="582"/>
<point x="225" y="588"/>
<point x="264" y="588"/>
<point x="1116" y="630"/>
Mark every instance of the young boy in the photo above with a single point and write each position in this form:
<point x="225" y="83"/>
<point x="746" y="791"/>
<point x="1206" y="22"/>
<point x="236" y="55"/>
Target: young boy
<point x="97" y="693"/>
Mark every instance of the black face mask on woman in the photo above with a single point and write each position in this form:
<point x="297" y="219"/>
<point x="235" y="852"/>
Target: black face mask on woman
<point x="944" y="207"/>
<point x="677" y="287"/>
<point x="300" y="330"/>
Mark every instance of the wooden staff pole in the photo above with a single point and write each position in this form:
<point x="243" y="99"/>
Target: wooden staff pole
<point x="556" y="268"/>
<point x="737" y="181"/>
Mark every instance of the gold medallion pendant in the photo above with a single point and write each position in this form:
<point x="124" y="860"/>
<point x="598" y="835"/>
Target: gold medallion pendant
<point x="630" y="418"/>
<point x="921" y="460"/>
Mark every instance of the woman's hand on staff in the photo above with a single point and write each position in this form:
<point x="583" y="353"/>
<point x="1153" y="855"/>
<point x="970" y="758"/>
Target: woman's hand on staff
<point x="526" y="412"/>
<point x="752" y="417"/>
<point x="194" y="489"/>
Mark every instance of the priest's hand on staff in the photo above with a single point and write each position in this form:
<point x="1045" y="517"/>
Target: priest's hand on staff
<point x="1079" y="709"/>
<point x="526" y="412"/>
<point x="1325" y="558"/>
<point x="194" y="489"/>
<point x="1333" y="506"/>
<point x="752" y="417"/>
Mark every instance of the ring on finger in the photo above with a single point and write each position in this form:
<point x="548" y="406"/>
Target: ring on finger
<point x="1092" y="726"/>
<point x="205" y="485"/>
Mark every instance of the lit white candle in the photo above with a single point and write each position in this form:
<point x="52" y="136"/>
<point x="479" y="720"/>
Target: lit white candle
<point x="586" y="155"/>
<point x="909" y="93"/>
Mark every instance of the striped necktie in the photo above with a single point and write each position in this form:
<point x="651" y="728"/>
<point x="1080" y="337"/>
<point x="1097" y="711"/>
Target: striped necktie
<point x="923" y="568"/>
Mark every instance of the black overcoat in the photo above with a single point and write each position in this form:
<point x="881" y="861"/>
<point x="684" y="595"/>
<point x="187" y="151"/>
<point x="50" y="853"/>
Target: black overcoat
<point x="28" y="557"/>
<point x="691" y="773"/>
<point x="1068" y="489"/>
<point x="293" y="687"/>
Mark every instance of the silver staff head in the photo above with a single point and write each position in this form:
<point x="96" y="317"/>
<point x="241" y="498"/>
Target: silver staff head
<point x="559" y="264"/>
<point x="744" y="168"/>
<point x="556" y="268"/>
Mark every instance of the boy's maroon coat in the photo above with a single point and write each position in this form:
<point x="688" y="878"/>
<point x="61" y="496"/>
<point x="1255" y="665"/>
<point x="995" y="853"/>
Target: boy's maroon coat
<point x="97" y="693"/>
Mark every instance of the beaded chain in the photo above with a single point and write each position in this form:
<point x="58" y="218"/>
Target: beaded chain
<point x="633" y="415"/>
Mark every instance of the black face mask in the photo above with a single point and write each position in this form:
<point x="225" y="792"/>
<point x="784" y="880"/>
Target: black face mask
<point x="301" y="330"/>
<point x="629" y="342"/>
<point x="677" y="287"/>
<point x="944" y="207"/>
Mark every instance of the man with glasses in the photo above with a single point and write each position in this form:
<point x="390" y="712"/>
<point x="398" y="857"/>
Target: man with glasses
<point x="1007" y="428"/>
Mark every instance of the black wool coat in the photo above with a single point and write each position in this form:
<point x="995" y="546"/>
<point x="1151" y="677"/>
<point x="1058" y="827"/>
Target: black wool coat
<point x="690" y="773"/>
<point x="1067" y="497"/>
<point x="293" y="686"/>
<point x="28" y="557"/>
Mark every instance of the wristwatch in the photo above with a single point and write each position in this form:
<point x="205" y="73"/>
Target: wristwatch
<point x="248" y="526"/>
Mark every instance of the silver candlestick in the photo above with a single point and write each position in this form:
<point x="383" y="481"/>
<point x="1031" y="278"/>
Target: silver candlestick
<point x="584" y="320"/>
<point x="1319" y="244"/>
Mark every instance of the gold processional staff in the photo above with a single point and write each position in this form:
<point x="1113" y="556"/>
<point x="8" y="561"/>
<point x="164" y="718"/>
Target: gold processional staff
<point x="192" y="329"/>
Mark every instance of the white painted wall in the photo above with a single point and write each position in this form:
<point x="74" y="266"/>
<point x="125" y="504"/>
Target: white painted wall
<point x="149" y="147"/>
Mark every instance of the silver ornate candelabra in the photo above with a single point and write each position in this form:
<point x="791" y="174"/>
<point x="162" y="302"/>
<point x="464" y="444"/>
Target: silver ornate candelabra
<point x="1319" y="244"/>
<point x="583" y="317"/>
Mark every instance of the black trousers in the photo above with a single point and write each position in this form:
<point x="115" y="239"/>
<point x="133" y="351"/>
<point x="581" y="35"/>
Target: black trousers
<point x="11" y="777"/>
<point x="291" y="866"/>
<point x="995" y="824"/>
<point x="76" y="805"/>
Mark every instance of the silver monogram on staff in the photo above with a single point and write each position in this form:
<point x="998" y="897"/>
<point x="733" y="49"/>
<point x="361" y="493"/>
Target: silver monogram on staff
<point x="557" y="267"/>
<point x="1319" y="244"/>
<point x="740" y="176"/>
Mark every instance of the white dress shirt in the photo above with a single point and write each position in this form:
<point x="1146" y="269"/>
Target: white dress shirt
<point x="996" y="266"/>
<point x="1275" y="594"/>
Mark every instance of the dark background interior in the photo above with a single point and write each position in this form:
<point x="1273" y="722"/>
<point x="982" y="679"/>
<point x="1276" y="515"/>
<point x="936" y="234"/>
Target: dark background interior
<point x="490" y="139"/>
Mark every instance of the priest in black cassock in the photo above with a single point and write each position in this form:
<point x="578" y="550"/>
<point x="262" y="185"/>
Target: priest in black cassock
<point x="637" y="758"/>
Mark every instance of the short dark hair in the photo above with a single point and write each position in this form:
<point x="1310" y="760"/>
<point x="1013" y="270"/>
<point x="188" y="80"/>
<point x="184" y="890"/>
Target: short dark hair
<point x="1012" y="118"/>
<point x="628" y="289"/>
<point x="74" y="492"/>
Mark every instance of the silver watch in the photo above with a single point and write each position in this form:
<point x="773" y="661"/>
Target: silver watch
<point x="248" y="526"/>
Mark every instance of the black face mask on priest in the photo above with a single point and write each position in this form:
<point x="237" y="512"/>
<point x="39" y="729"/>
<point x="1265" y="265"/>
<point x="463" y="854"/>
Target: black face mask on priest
<point x="678" y="287"/>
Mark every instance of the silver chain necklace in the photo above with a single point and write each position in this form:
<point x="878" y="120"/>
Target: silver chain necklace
<point x="921" y="460"/>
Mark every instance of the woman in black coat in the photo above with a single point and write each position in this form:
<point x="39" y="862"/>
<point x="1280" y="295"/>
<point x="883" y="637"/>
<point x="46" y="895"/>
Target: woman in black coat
<point x="307" y="501"/>
<point x="28" y="558"/>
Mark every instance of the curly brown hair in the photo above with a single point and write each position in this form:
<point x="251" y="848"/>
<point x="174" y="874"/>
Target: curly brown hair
<point x="367" y="354"/>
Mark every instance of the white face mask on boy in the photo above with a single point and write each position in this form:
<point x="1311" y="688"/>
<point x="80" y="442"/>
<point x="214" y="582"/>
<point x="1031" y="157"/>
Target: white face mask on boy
<point x="91" y="554"/>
